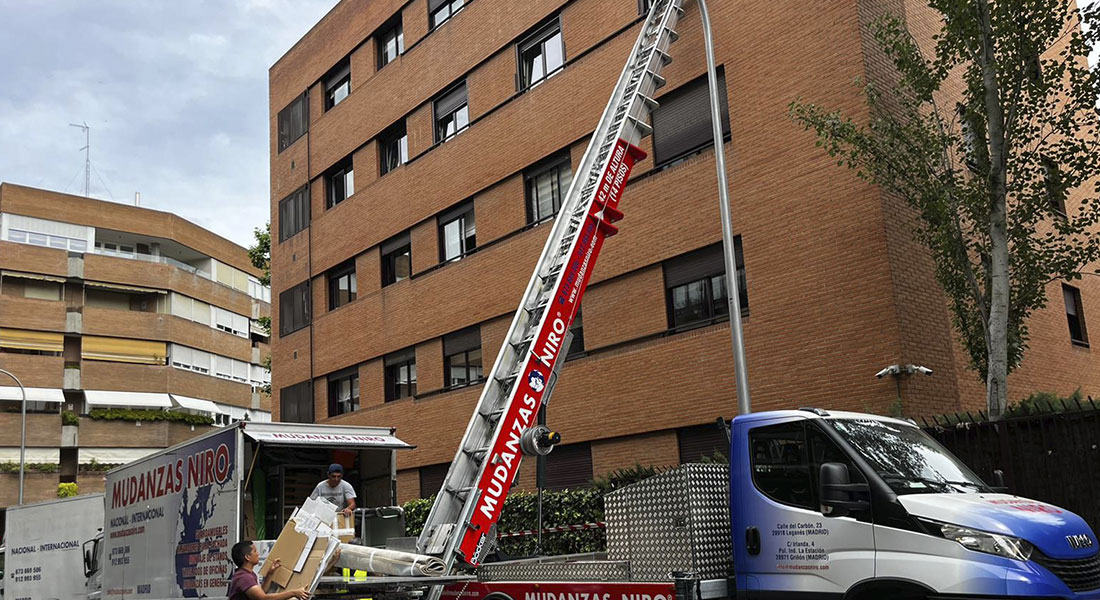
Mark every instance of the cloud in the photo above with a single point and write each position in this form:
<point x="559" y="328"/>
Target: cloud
<point x="175" y="95"/>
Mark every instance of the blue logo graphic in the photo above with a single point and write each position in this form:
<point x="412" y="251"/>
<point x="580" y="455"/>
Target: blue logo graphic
<point x="536" y="380"/>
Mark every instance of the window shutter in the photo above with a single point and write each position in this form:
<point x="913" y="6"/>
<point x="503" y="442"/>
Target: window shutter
<point x="395" y="243"/>
<point x="434" y="5"/>
<point x="701" y="441"/>
<point x="431" y="479"/>
<point x="451" y="101"/>
<point x="694" y="266"/>
<point x="681" y="124"/>
<point x="461" y="341"/>
<point x="569" y="467"/>
<point x="399" y="357"/>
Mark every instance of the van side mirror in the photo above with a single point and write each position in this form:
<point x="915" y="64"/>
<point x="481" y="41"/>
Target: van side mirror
<point x="839" y="496"/>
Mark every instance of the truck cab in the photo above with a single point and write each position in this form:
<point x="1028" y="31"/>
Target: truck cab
<point x="848" y="505"/>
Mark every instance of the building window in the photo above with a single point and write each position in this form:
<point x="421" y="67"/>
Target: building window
<point x="341" y="285"/>
<point x="400" y="374"/>
<point x="569" y="467"/>
<point x="643" y="7"/>
<point x="540" y="55"/>
<point x="393" y="148"/>
<point x="576" y="347"/>
<point x="293" y="121"/>
<point x="343" y="392"/>
<point x="296" y="403"/>
<point x="294" y="308"/>
<point x="396" y="259"/>
<point x="294" y="213"/>
<point x="696" y="287"/>
<point x="682" y="125"/>
<point x="462" y="357"/>
<point x="339" y="183"/>
<point x="1075" y="314"/>
<point x="338" y="84"/>
<point x="457" y="232"/>
<point x="1055" y="188"/>
<point x="452" y="113"/>
<point x="391" y="41"/>
<point x="702" y="442"/>
<point x="431" y="479"/>
<point x="441" y="10"/>
<point x="546" y="186"/>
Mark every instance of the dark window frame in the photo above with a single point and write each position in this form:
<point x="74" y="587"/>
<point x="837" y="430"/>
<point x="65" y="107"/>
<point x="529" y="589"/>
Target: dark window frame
<point x="294" y="213"/>
<point x="673" y="145"/>
<point x="713" y="268"/>
<point x="463" y="212"/>
<point x="393" y="363"/>
<point x="391" y="250"/>
<point x="552" y="165"/>
<point x="336" y="183"/>
<point x="293" y="399"/>
<point x="335" y="405"/>
<point x="1075" y="316"/>
<point x="392" y="30"/>
<point x="297" y="297"/>
<point x="339" y="77"/>
<point x="288" y="122"/>
<point x="443" y="117"/>
<point x="576" y="347"/>
<point x="393" y="147"/>
<point x="538" y="39"/>
<point x="436" y="8"/>
<point x="334" y="275"/>
<point x="465" y="343"/>
<point x="764" y="433"/>
<point x="1054" y="189"/>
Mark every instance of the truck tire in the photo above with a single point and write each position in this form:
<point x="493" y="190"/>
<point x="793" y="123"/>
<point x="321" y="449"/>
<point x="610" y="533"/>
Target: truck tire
<point x="892" y="589"/>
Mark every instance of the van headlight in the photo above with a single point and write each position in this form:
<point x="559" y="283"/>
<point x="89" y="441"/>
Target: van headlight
<point x="983" y="541"/>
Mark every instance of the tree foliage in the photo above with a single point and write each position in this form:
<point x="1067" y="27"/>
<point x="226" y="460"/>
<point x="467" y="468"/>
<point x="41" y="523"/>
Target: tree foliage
<point x="989" y="169"/>
<point x="260" y="252"/>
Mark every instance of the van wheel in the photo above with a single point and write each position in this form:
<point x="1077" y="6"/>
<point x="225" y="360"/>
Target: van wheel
<point x="894" y="590"/>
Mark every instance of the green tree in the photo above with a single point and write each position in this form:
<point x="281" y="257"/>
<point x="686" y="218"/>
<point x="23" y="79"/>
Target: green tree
<point x="989" y="170"/>
<point x="260" y="255"/>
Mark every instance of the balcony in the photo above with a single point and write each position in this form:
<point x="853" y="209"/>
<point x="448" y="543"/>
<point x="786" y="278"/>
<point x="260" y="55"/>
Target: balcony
<point x="32" y="314"/>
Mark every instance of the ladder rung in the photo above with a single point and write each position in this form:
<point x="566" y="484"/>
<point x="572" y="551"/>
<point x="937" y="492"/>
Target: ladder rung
<point x="658" y="81"/>
<point x="642" y="126"/>
<point x="672" y="35"/>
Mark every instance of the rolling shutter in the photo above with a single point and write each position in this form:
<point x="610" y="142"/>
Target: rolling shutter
<point x="682" y="124"/>
<point x="701" y="441"/>
<point x="569" y="467"/>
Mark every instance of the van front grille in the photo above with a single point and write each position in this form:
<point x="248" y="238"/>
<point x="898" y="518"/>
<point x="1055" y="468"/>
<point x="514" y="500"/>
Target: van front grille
<point x="1080" y="575"/>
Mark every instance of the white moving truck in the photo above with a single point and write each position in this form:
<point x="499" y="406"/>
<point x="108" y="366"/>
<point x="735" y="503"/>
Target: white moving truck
<point x="43" y="553"/>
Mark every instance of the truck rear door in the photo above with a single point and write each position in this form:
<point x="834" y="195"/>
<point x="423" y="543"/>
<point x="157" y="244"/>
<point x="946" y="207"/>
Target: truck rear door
<point x="782" y="542"/>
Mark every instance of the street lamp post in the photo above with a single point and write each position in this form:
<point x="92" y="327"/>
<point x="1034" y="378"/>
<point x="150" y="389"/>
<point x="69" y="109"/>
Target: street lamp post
<point x="740" y="363"/>
<point x="23" y="432"/>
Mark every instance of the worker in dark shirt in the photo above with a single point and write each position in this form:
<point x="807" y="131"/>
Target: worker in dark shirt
<point x="243" y="585"/>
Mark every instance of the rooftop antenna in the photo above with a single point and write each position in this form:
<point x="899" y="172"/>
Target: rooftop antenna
<point x="87" y="156"/>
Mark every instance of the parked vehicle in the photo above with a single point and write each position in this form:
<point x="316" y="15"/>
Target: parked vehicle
<point x="170" y="519"/>
<point x="42" y="555"/>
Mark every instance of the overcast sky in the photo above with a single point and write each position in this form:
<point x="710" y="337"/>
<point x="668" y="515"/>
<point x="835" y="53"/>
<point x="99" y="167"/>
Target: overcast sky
<point x="175" y="93"/>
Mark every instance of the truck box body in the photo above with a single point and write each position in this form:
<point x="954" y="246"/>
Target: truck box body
<point x="43" y="557"/>
<point x="171" y="518"/>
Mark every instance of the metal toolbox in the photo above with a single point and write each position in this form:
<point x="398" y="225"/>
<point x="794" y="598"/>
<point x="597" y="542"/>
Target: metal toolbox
<point x="676" y="521"/>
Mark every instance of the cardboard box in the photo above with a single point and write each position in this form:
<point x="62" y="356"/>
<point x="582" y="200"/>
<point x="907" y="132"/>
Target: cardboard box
<point x="305" y="549"/>
<point x="345" y="527"/>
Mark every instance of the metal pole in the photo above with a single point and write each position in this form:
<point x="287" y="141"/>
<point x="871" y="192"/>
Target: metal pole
<point x="744" y="405"/>
<point x="23" y="439"/>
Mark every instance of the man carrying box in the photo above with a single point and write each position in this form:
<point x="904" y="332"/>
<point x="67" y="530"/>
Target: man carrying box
<point x="243" y="585"/>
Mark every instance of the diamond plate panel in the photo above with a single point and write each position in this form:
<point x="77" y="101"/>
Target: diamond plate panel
<point x="600" y="570"/>
<point x="675" y="521"/>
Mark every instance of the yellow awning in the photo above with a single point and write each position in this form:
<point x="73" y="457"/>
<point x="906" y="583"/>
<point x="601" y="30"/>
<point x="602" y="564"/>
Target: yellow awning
<point x="124" y="288"/>
<point x="23" y="339"/>
<point x="37" y="276"/>
<point x="123" y="350"/>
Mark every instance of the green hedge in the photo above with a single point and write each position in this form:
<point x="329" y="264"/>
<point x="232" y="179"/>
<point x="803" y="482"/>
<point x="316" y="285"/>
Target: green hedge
<point x="68" y="417"/>
<point x="11" y="466"/>
<point x="565" y="507"/>
<point x="66" y="490"/>
<point x="126" y="414"/>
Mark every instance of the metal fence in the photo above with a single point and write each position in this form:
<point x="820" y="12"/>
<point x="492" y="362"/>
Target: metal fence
<point x="1050" y="454"/>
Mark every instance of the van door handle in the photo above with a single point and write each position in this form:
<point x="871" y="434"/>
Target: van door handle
<point x="752" y="540"/>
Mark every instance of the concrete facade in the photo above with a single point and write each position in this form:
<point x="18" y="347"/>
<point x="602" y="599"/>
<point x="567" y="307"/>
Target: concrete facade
<point x="837" y="289"/>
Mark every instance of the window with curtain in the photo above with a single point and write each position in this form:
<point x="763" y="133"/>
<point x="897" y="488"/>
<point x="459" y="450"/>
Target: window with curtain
<point x="457" y="232"/>
<point x="342" y="286"/>
<point x="343" y="392"/>
<point x="293" y="121"/>
<point x="400" y="374"/>
<point x="391" y="41"/>
<point x="339" y="183"/>
<point x="1075" y="315"/>
<point x="338" y="84"/>
<point x="695" y="286"/>
<point x="396" y="259"/>
<point x="546" y="185"/>
<point x="393" y="148"/>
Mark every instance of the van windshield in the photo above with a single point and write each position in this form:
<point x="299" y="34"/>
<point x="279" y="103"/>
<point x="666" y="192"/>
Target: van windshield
<point x="908" y="459"/>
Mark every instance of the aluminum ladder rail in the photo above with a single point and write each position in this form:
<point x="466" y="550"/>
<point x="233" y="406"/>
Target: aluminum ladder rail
<point x="468" y="505"/>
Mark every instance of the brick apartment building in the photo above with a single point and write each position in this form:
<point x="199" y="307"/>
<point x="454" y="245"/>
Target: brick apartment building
<point x="104" y="305"/>
<point x="418" y="148"/>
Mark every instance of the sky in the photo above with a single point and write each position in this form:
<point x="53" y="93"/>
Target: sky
<point x="174" y="93"/>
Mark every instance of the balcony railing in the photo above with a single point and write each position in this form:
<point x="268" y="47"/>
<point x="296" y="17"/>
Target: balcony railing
<point x="154" y="259"/>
